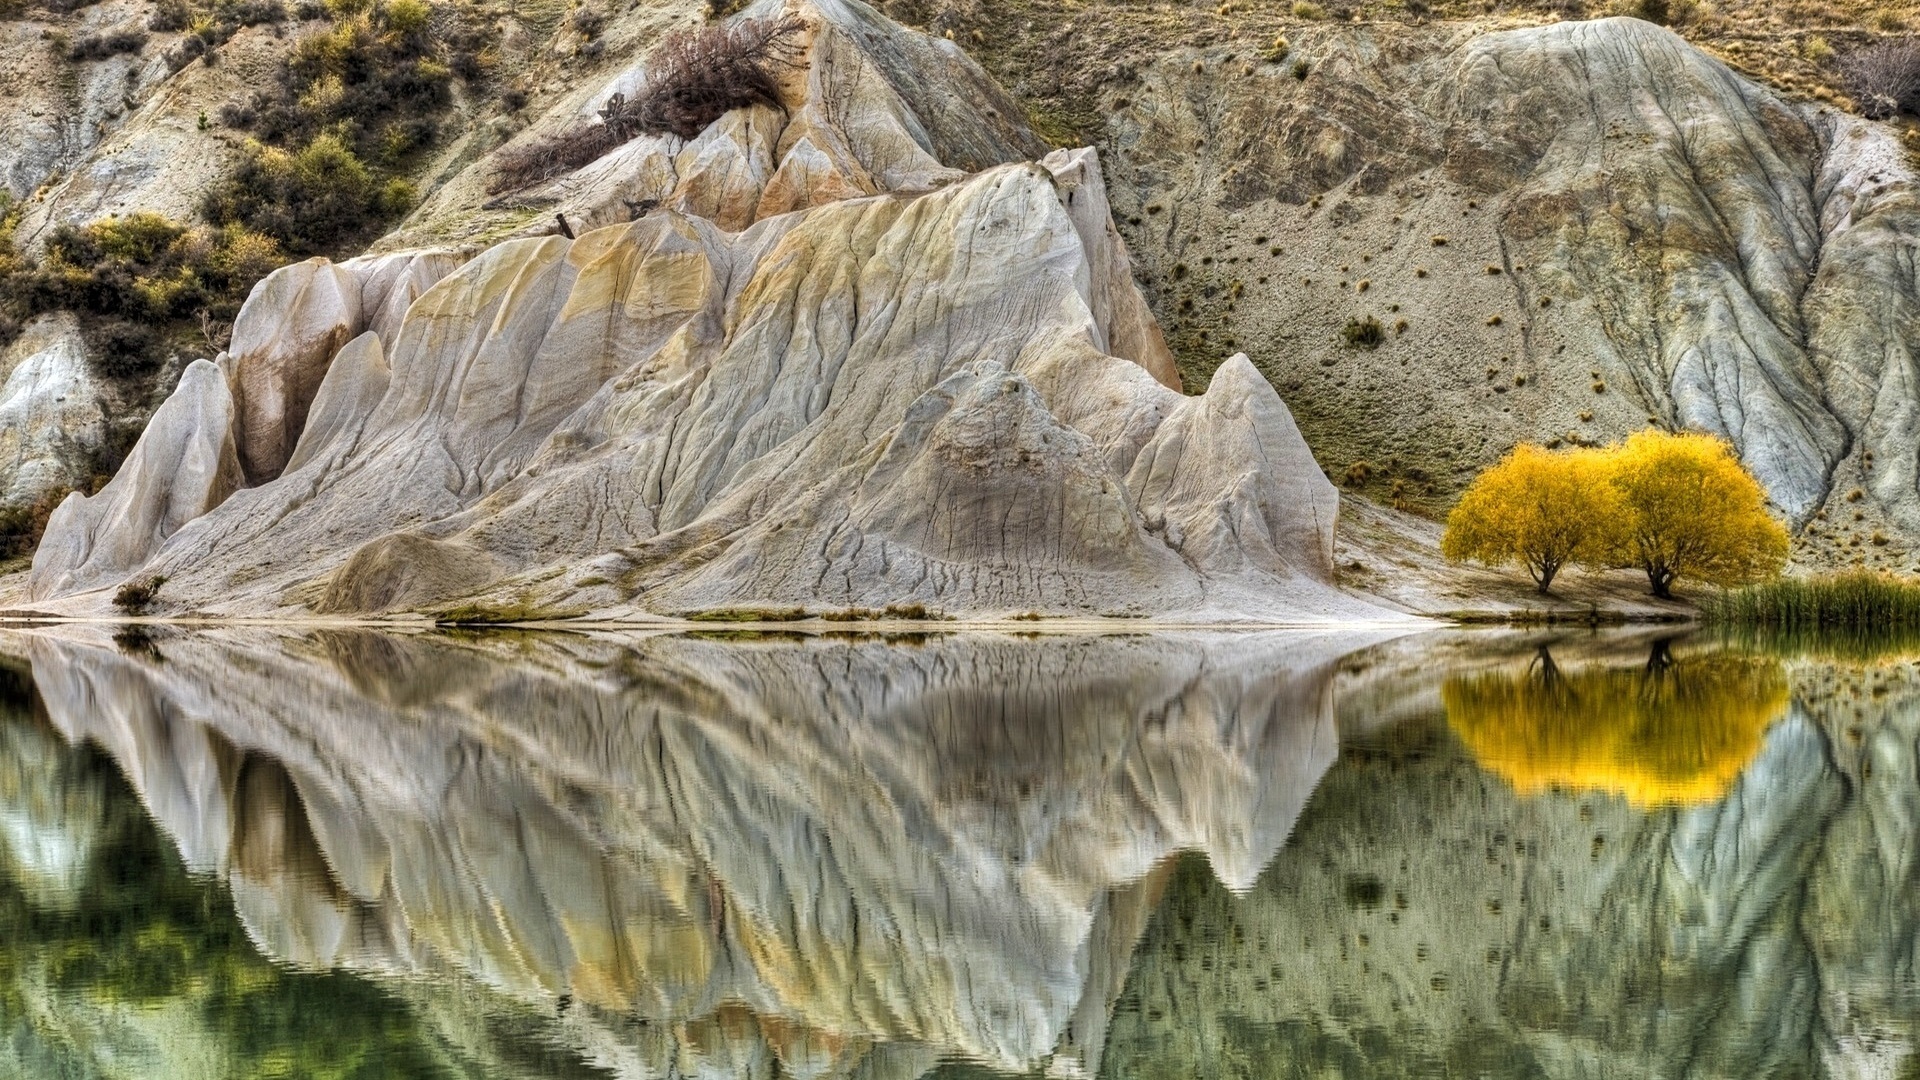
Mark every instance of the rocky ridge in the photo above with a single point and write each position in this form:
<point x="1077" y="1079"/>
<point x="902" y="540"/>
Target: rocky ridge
<point x="1565" y="232"/>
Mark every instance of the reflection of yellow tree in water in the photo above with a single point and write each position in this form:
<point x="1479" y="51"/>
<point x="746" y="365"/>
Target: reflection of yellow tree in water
<point x="1671" y="731"/>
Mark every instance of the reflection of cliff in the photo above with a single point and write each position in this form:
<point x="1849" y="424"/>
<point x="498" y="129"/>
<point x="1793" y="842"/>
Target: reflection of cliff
<point x="1427" y="919"/>
<point x="850" y="856"/>
<point x="1670" y="730"/>
<point x="115" y="964"/>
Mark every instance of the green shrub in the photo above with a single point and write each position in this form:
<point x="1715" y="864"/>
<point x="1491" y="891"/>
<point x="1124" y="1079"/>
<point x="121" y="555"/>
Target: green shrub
<point x="351" y="107"/>
<point x="102" y="46"/>
<point x="371" y="80"/>
<point x="138" y="278"/>
<point x="320" y="199"/>
<point x="170" y="17"/>
<point x="136" y="596"/>
<point x="21" y="526"/>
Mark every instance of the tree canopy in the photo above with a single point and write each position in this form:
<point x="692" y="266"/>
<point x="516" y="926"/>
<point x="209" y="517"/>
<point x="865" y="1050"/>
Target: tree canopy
<point x="1541" y="508"/>
<point x="1676" y="506"/>
<point x="1693" y="511"/>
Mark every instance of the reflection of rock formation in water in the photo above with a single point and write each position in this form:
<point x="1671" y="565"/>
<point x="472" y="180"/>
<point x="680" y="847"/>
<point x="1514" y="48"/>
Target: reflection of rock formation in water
<point x="1428" y="920"/>
<point x="49" y="819"/>
<point x="845" y="854"/>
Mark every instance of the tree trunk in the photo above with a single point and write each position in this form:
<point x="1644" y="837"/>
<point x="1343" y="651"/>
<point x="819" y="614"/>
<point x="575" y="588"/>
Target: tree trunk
<point x="1662" y="581"/>
<point x="1544" y="577"/>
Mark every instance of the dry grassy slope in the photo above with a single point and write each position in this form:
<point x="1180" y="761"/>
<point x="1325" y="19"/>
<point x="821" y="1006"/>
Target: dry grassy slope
<point x="1062" y="57"/>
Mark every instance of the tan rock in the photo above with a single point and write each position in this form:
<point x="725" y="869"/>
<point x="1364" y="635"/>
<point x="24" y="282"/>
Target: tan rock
<point x="288" y="331"/>
<point x="183" y="467"/>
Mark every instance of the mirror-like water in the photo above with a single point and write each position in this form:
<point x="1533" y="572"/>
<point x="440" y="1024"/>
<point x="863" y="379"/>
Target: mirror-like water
<point x="355" y="854"/>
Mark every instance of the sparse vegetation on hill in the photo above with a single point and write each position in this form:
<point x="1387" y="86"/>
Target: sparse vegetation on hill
<point x="1060" y="60"/>
<point x="349" y="112"/>
<point x="138" y="279"/>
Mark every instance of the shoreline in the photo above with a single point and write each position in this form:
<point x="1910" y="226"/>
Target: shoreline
<point x="819" y="627"/>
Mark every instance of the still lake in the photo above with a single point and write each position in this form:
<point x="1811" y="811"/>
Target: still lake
<point x="343" y="853"/>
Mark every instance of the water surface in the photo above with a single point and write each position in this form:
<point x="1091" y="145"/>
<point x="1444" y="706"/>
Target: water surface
<point x="359" y="854"/>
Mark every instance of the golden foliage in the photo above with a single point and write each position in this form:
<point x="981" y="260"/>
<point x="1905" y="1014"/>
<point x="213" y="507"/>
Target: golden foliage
<point x="1672" y="731"/>
<point x="1674" y="505"/>
<point x="1693" y="511"/>
<point x="1541" y="508"/>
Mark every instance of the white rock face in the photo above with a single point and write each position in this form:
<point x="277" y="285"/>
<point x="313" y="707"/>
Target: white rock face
<point x="869" y="107"/>
<point x="293" y="323"/>
<point x="858" y="855"/>
<point x="183" y="466"/>
<point x="949" y="397"/>
<point x="52" y="421"/>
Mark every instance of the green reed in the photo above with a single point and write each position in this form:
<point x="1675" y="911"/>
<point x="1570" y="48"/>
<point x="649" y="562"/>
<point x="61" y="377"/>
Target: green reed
<point x="1848" y="601"/>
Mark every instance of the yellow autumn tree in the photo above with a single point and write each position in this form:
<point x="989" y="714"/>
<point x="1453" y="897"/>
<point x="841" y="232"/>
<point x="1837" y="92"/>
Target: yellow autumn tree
<point x="1692" y="511"/>
<point x="1544" y="509"/>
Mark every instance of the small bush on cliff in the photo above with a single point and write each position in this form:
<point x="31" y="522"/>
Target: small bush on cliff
<point x="135" y="597"/>
<point x="694" y="77"/>
<point x="1883" y="79"/>
<point x="1364" y="333"/>
<point x="102" y="46"/>
<point x="137" y="278"/>
<point x="1675" y="506"/>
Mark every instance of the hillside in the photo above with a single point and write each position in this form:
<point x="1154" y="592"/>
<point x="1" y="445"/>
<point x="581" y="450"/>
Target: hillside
<point x="1435" y="230"/>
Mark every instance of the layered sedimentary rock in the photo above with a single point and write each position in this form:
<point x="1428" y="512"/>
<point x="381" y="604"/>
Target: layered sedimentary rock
<point x="1566" y="231"/>
<point x="855" y="857"/>
<point x="290" y="329"/>
<point x="948" y="397"/>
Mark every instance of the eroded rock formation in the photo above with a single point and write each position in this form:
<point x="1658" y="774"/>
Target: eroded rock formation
<point x="946" y="397"/>
<point x="53" y="414"/>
